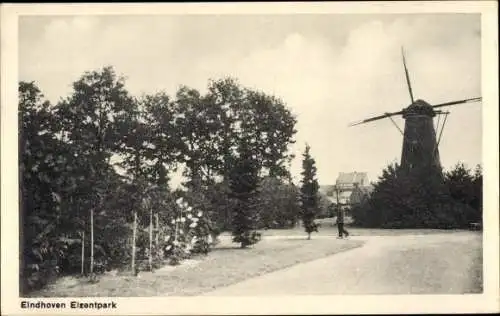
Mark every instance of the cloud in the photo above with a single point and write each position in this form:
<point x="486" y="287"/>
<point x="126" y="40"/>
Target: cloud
<point x="330" y="87"/>
<point x="330" y="73"/>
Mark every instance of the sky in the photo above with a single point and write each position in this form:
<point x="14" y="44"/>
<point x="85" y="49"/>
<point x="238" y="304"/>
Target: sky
<point x="330" y="69"/>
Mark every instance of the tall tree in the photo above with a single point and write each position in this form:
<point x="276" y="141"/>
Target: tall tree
<point x="198" y="123"/>
<point x="272" y="125"/>
<point x="263" y="121"/>
<point x="136" y="140"/>
<point x="41" y="164"/>
<point x="225" y="97"/>
<point x="89" y="119"/>
<point x="243" y="184"/>
<point x="165" y="142"/>
<point x="309" y="192"/>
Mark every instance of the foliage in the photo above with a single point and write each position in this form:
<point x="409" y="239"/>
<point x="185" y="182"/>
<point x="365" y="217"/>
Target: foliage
<point x="279" y="204"/>
<point x="402" y="200"/>
<point x="466" y="188"/>
<point x="100" y="161"/>
<point x="200" y="199"/>
<point x="243" y="185"/>
<point x="190" y="234"/>
<point x="222" y="205"/>
<point x="309" y="192"/>
<point x="43" y="165"/>
<point x="324" y="206"/>
<point x="162" y="145"/>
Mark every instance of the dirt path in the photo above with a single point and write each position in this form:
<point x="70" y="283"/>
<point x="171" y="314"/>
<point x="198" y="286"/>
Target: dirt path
<point x="425" y="264"/>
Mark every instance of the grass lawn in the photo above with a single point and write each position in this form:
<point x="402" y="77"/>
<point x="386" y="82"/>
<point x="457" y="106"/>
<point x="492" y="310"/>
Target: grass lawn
<point x="225" y="265"/>
<point x="355" y="231"/>
<point x="329" y="228"/>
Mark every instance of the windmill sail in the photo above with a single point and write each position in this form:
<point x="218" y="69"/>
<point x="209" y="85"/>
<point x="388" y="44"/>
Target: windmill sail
<point x="375" y="118"/>
<point x="457" y="102"/>
<point x="420" y="147"/>
<point x="407" y="76"/>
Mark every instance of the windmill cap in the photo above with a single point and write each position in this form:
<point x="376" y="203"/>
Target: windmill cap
<point x="419" y="107"/>
<point x="420" y="102"/>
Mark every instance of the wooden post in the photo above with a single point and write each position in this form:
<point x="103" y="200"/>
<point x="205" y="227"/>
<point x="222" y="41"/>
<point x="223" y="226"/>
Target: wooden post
<point x="83" y="252"/>
<point x="150" y="236"/>
<point x="91" y="241"/>
<point x="157" y="237"/>
<point x="134" y="233"/>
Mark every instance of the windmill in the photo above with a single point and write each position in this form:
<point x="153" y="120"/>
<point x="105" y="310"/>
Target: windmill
<point x="420" y="144"/>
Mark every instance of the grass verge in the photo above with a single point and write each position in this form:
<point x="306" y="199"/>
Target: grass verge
<point x="224" y="266"/>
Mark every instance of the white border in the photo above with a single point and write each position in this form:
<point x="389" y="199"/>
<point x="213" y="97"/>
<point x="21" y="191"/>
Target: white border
<point x="487" y="302"/>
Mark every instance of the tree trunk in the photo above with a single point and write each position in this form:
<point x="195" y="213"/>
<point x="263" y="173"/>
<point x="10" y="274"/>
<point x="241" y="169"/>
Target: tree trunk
<point x="91" y="241"/>
<point x="134" y="236"/>
<point x="83" y="252"/>
<point x="308" y="236"/>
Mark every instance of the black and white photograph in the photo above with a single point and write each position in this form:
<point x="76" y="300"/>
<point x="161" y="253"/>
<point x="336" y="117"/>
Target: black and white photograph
<point x="205" y="155"/>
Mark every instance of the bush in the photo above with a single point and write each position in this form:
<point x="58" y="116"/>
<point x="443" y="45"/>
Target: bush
<point x="187" y="234"/>
<point x="402" y="200"/>
<point x="42" y="264"/>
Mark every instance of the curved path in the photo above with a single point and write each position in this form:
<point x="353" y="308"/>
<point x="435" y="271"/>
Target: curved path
<point x="424" y="264"/>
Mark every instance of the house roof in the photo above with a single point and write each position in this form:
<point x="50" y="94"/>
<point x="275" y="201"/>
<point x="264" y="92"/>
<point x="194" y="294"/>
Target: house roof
<point x="352" y="177"/>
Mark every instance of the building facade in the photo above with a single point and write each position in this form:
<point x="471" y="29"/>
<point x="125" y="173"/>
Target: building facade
<point x="350" y="188"/>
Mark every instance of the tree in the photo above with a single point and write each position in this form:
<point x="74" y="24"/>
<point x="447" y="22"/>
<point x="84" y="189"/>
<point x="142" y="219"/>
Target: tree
<point x="459" y="181"/>
<point x="309" y="192"/>
<point x="93" y="164"/>
<point x="41" y="165"/>
<point x="230" y="113"/>
<point x="161" y="152"/>
<point x="273" y="126"/>
<point x="225" y="97"/>
<point x="243" y="186"/>
<point x="136" y="143"/>
<point x="89" y="121"/>
<point x="415" y="200"/>
<point x="278" y="204"/>
<point x="477" y="201"/>
<point x="465" y="187"/>
<point x="198" y="124"/>
<point x="259" y="117"/>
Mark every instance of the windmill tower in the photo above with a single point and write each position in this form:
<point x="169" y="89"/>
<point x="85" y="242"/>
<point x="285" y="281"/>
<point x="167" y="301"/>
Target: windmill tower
<point x="420" y="143"/>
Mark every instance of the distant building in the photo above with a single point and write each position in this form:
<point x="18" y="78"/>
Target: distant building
<point x="352" y="188"/>
<point x="360" y="194"/>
